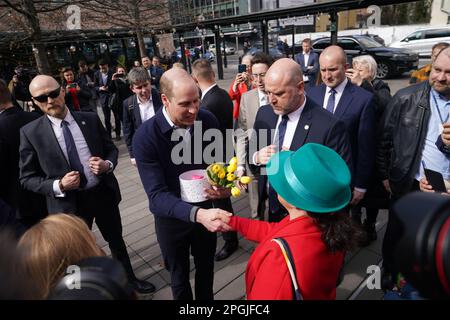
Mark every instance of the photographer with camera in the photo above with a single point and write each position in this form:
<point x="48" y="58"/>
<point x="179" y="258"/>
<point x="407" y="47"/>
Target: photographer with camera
<point x="77" y="95"/>
<point x="120" y="91"/>
<point x="19" y="87"/>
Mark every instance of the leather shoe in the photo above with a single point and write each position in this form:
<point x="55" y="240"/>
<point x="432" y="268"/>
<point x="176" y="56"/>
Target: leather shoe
<point x="142" y="286"/>
<point x="226" y="251"/>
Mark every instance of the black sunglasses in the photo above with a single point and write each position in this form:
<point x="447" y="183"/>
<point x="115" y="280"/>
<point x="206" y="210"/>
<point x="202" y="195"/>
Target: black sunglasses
<point x="44" y="97"/>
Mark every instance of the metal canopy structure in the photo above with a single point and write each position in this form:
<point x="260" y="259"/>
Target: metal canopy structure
<point x="331" y="7"/>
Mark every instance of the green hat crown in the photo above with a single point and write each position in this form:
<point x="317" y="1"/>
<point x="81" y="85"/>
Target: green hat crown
<point x="314" y="178"/>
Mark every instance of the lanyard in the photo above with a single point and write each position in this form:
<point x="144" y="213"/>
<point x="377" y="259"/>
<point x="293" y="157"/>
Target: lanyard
<point x="439" y="111"/>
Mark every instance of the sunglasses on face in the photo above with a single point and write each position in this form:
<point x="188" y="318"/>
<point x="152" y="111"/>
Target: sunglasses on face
<point x="44" y="97"/>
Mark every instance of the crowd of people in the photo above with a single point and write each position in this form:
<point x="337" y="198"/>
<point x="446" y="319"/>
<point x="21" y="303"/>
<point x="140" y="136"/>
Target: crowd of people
<point x="324" y="142"/>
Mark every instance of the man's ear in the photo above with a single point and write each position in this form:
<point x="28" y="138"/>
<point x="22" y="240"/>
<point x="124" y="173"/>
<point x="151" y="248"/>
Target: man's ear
<point x="164" y="99"/>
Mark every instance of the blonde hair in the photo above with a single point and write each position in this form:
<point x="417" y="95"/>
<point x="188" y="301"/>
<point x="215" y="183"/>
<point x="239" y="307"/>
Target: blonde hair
<point x="52" y="245"/>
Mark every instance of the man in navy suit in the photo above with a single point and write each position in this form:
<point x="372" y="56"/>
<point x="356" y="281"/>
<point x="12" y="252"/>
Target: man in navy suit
<point x="140" y="107"/>
<point x="181" y="228"/>
<point x="354" y="106"/>
<point x="291" y="121"/>
<point x="309" y="62"/>
<point x="102" y="83"/>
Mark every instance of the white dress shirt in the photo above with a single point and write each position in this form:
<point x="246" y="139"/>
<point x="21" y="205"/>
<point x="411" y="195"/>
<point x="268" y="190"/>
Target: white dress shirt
<point x="82" y="148"/>
<point x="337" y="96"/>
<point x="146" y="109"/>
<point x="104" y="78"/>
<point x="306" y="59"/>
<point x="263" y="99"/>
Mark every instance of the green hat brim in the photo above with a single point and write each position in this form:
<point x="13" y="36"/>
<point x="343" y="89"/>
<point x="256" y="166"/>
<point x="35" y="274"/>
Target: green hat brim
<point x="277" y="179"/>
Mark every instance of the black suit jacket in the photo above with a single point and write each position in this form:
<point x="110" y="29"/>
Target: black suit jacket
<point x="42" y="160"/>
<point x="27" y="203"/>
<point x="132" y="117"/>
<point x="218" y="102"/>
<point x="315" y="125"/>
<point x="357" y="110"/>
<point x="98" y="82"/>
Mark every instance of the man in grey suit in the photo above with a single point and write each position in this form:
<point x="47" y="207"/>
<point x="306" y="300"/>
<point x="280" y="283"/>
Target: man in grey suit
<point x="251" y="101"/>
<point x="309" y="62"/>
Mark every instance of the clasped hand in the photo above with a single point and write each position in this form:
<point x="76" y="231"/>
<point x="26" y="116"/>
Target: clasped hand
<point x="214" y="220"/>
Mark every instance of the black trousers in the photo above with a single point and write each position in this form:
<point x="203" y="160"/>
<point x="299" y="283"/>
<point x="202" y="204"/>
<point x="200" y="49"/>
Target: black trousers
<point x="97" y="204"/>
<point x="177" y="239"/>
<point x="391" y="237"/>
<point x="107" y="113"/>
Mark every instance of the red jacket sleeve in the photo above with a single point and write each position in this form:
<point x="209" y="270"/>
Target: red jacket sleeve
<point x="253" y="230"/>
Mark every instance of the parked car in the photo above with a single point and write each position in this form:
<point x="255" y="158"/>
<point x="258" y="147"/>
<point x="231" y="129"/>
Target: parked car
<point x="228" y="50"/>
<point x="273" y="51"/>
<point x="207" y="55"/>
<point x="377" y="38"/>
<point x="391" y="61"/>
<point x="421" y="41"/>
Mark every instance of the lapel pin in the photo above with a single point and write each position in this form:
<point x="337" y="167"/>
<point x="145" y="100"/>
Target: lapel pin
<point x="83" y="123"/>
<point x="306" y="127"/>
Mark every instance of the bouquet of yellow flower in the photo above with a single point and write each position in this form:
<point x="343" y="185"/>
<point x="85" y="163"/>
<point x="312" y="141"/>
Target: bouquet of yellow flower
<point x="221" y="174"/>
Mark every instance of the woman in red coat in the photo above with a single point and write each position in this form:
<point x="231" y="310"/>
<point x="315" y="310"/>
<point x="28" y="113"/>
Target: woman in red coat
<point x="313" y="184"/>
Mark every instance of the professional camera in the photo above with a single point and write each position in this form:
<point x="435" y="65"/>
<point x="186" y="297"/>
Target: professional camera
<point x="422" y="247"/>
<point x="98" y="278"/>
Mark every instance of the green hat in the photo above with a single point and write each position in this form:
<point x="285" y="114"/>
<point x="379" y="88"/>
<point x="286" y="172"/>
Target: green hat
<point x="314" y="178"/>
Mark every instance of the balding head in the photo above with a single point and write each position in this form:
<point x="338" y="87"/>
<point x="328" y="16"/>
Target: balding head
<point x="333" y="64"/>
<point x="440" y="73"/>
<point x="181" y="104"/>
<point x="48" y="96"/>
<point x="284" y="85"/>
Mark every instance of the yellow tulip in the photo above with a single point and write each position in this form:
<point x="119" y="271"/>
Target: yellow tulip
<point x="221" y="174"/>
<point x="232" y="168"/>
<point x="235" y="192"/>
<point x="245" y="179"/>
<point x="233" y="161"/>
<point x="216" y="168"/>
<point x="231" y="177"/>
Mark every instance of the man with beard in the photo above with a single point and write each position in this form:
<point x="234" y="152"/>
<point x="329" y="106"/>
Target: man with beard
<point x="414" y="135"/>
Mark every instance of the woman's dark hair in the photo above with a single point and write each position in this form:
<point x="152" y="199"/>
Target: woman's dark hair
<point x="339" y="231"/>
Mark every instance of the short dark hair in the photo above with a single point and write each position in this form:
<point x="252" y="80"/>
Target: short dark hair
<point x="203" y="69"/>
<point x="261" y="57"/>
<point x="5" y="94"/>
<point x="65" y="69"/>
<point x="102" y="62"/>
<point x="82" y="63"/>
<point x="306" y="40"/>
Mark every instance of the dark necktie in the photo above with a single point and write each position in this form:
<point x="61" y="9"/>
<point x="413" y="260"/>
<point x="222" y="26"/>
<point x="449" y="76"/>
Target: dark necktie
<point x="276" y="212"/>
<point x="331" y="101"/>
<point x="72" y="153"/>
<point x="282" y="131"/>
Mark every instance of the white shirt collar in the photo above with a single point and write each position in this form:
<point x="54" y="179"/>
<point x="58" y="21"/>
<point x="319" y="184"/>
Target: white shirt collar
<point x="340" y="88"/>
<point x="166" y="115"/>
<point x="262" y="97"/>
<point x="207" y="89"/>
<point x="140" y="102"/>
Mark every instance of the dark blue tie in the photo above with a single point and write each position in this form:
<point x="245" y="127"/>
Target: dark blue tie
<point x="331" y="101"/>
<point x="282" y="131"/>
<point x="72" y="153"/>
<point x="277" y="212"/>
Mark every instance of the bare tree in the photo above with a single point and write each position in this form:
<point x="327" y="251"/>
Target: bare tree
<point x="28" y="12"/>
<point x="141" y="16"/>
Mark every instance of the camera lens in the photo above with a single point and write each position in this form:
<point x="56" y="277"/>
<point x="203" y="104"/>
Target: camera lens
<point x="422" y="253"/>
